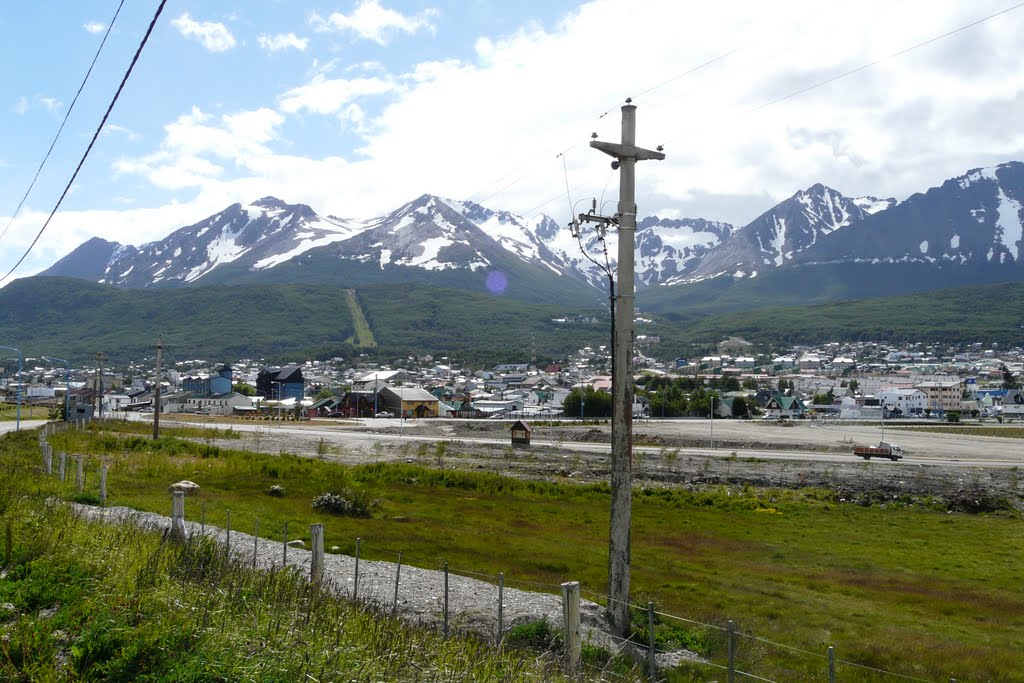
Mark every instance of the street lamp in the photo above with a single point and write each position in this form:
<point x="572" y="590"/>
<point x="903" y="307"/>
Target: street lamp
<point x="17" y="426"/>
<point x="712" y="421"/>
<point x="67" y="385"/>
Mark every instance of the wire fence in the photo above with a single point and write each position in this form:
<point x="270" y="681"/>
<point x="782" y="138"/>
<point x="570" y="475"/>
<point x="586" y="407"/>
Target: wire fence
<point x="380" y="581"/>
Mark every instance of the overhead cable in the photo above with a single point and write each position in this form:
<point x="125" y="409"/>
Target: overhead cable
<point x="95" y="135"/>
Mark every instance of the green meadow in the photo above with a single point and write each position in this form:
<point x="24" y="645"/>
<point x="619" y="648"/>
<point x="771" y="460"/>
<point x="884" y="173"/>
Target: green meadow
<point x="901" y="586"/>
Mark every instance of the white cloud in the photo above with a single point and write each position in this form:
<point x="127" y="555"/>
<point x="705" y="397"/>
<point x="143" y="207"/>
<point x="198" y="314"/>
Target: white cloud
<point x="214" y="36"/>
<point x="49" y="103"/>
<point x="490" y="129"/>
<point x="371" y="21"/>
<point x="329" y="95"/>
<point x="94" y="27"/>
<point x="128" y="133"/>
<point x="21" y="106"/>
<point x="282" y="41"/>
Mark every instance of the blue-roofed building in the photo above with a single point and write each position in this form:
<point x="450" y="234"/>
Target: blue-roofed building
<point x="209" y="385"/>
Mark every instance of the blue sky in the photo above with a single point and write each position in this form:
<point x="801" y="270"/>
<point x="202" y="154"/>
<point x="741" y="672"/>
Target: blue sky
<point x="358" y="107"/>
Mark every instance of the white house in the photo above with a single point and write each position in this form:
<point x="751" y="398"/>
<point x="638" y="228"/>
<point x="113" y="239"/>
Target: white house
<point x="906" y="401"/>
<point x="1013" y="404"/>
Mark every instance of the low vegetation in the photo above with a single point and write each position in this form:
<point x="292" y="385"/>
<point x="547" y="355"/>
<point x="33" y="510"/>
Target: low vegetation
<point x="89" y="601"/>
<point x="892" y="583"/>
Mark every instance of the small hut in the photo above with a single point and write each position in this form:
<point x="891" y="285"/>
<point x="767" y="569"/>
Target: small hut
<point x="520" y="433"/>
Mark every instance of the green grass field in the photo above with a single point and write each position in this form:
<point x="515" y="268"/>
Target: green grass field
<point x="83" y="601"/>
<point x="900" y="587"/>
<point x="9" y="412"/>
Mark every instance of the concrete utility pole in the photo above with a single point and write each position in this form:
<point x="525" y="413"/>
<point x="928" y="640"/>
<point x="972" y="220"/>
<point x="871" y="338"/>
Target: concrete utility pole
<point x="156" y="395"/>
<point x="626" y="154"/>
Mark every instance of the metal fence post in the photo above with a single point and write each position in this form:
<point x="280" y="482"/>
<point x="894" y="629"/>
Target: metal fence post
<point x="571" y="625"/>
<point x="398" y="572"/>
<point x="316" y="563"/>
<point x="444" y="628"/>
<point x="501" y="598"/>
<point x="831" y="664"/>
<point x="256" y="543"/>
<point x="652" y="667"/>
<point x="355" y="582"/>
<point x="730" y="631"/>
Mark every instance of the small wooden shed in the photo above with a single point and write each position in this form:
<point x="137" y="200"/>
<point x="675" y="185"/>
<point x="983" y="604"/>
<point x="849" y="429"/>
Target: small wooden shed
<point x="521" y="432"/>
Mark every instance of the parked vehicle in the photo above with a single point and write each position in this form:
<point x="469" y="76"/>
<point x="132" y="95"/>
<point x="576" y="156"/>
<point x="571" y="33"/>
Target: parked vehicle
<point x="884" y="449"/>
<point x="385" y="413"/>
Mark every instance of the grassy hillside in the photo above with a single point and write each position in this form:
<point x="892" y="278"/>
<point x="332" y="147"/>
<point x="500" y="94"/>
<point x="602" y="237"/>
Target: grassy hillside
<point x="86" y="601"/>
<point x="989" y="313"/>
<point x="74" y="319"/>
<point x="906" y="585"/>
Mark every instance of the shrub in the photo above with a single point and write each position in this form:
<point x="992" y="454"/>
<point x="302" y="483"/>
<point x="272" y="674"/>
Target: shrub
<point x="276" y="490"/>
<point x="347" y="502"/>
<point x="533" y="634"/>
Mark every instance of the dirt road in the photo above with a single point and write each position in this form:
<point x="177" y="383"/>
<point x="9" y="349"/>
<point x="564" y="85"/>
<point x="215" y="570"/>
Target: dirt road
<point x="968" y="471"/>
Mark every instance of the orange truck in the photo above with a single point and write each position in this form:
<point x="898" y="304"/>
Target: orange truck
<point x="884" y="449"/>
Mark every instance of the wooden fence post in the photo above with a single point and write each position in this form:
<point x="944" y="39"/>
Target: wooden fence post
<point x="831" y="664"/>
<point x="79" y="478"/>
<point x="316" y="564"/>
<point x="227" y="538"/>
<point x="48" y="461"/>
<point x="571" y="625"/>
<point x="284" y="560"/>
<point x="103" y="484"/>
<point x="62" y="467"/>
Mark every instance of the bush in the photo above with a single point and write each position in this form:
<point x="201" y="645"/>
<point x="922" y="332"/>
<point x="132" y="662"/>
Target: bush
<point x="537" y="635"/>
<point x="347" y="502"/>
<point x="276" y="490"/>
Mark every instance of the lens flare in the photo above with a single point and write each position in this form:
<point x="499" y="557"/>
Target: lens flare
<point x="497" y="281"/>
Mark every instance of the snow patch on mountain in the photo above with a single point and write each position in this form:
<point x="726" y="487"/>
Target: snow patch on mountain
<point x="1008" y="223"/>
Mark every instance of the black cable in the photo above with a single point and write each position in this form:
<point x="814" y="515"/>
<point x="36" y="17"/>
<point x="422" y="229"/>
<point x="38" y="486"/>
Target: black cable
<point x="88" y="149"/>
<point x="61" y="128"/>
<point x="893" y="55"/>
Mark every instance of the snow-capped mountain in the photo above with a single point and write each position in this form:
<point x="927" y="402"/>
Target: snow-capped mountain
<point x="259" y="236"/>
<point x="976" y="219"/>
<point x="777" y="236"/>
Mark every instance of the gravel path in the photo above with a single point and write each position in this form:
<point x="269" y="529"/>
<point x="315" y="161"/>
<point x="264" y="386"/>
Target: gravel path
<point x="472" y="603"/>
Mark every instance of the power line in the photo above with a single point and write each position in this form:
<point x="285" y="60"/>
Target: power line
<point x="66" y="115"/>
<point x="892" y="56"/>
<point x="95" y="135"/>
<point x="523" y="174"/>
<point x="837" y="77"/>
